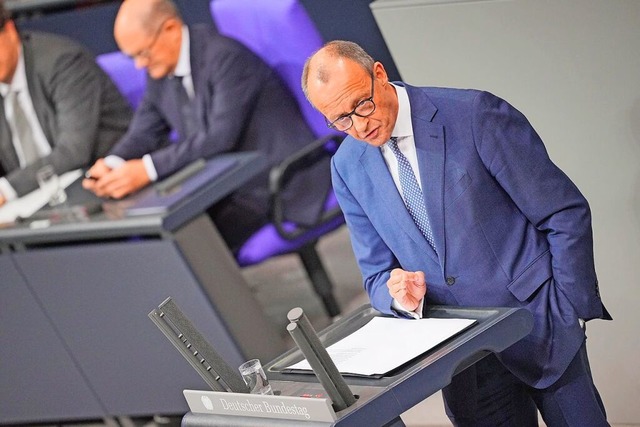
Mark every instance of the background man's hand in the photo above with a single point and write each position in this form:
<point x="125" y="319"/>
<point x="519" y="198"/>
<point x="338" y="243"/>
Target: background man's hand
<point x="97" y="171"/>
<point x="119" y="182"/>
<point x="406" y="287"/>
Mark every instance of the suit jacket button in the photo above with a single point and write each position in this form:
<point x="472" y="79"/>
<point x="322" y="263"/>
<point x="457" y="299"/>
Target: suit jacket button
<point x="451" y="280"/>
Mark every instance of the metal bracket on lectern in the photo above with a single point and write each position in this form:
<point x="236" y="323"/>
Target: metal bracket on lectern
<point x="321" y="363"/>
<point x="195" y="348"/>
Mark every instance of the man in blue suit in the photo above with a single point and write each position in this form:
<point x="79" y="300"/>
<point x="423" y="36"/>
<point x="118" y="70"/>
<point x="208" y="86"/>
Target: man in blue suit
<point x="215" y="96"/>
<point x="489" y="221"/>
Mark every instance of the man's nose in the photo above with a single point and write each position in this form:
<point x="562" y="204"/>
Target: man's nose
<point x="140" y="62"/>
<point x="360" y="123"/>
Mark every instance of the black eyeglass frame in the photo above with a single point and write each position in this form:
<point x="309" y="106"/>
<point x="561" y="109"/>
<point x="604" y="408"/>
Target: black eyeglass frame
<point x="353" y="112"/>
<point x="146" y="53"/>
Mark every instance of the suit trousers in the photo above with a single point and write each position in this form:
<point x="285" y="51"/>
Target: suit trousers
<point x="487" y="394"/>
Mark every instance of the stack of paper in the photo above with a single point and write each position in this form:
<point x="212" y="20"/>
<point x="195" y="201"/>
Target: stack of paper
<point x="27" y="205"/>
<point x="386" y="343"/>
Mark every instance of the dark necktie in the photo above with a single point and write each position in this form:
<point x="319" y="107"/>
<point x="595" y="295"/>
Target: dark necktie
<point x="24" y="131"/>
<point x="411" y="192"/>
<point x="185" y="106"/>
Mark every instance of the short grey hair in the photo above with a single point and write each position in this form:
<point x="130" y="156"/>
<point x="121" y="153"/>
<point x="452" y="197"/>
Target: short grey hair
<point x="5" y="14"/>
<point x="337" y="49"/>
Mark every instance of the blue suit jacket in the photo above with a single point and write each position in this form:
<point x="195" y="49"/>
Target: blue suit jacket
<point x="509" y="226"/>
<point x="241" y="105"/>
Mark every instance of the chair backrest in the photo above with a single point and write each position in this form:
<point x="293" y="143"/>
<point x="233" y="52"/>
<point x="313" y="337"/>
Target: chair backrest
<point x="282" y="34"/>
<point x="129" y="80"/>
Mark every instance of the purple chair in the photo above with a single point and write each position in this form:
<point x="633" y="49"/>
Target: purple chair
<point x="283" y="35"/>
<point x="127" y="78"/>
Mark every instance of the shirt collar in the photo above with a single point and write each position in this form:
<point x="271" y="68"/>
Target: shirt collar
<point x="183" y="67"/>
<point x="403" y="125"/>
<point x="19" y="81"/>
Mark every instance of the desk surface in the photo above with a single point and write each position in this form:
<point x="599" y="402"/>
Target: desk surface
<point x="113" y="221"/>
<point x="75" y="311"/>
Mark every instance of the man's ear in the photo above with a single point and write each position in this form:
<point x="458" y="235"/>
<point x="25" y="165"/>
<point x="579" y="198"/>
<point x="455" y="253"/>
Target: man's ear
<point x="172" y="24"/>
<point x="380" y="73"/>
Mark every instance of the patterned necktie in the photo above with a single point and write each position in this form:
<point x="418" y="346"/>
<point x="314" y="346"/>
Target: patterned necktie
<point x="185" y="106"/>
<point x="24" y="131"/>
<point x="411" y="192"/>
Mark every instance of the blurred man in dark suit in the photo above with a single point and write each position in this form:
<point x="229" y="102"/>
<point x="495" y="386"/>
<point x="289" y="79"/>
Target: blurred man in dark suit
<point x="58" y="107"/>
<point x="219" y="97"/>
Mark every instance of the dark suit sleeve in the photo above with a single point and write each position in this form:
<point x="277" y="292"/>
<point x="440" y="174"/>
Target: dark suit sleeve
<point x="228" y="94"/>
<point x="514" y="154"/>
<point x="74" y="91"/>
<point x="148" y="129"/>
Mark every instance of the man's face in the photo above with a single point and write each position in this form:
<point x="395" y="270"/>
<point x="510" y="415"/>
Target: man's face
<point x="347" y="87"/>
<point x="9" y="51"/>
<point x="157" y="52"/>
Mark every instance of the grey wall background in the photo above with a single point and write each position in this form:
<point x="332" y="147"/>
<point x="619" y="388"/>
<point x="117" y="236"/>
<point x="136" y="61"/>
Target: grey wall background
<point x="573" y="68"/>
<point x="351" y="20"/>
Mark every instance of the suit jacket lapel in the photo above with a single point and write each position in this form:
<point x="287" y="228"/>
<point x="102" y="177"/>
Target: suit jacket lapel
<point x="9" y="158"/>
<point x="169" y="104"/>
<point x="40" y="104"/>
<point x="373" y="162"/>
<point x="197" y="48"/>
<point x="429" y="140"/>
<point x="195" y="58"/>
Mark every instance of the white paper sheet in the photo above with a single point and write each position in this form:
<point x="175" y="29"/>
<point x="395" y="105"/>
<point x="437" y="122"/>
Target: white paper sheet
<point x="385" y="343"/>
<point x="28" y="204"/>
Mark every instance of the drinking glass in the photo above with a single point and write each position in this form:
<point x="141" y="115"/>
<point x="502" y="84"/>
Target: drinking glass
<point x="49" y="183"/>
<point x="254" y="377"/>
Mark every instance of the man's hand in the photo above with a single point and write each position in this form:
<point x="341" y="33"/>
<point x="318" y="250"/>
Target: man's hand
<point x="97" y="171"/>
<point x="119" y="182"/>
<point x="406" y="287"/>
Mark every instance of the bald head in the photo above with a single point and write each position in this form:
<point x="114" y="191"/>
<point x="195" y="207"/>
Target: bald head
<point x="150" y="31"/>
<point x="327" y="60"/>
<point x="143" y="16"/>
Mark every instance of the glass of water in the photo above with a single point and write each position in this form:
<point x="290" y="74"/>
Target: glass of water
<point x="49" y="183"/>
<point x="254" y="377"/>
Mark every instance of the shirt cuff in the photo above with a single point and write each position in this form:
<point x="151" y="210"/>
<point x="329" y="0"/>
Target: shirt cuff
<point x="113" y="162"/>
<point x="417" y="314"/>
<point x="7" y="190"/>
<point x="150" y="168"/>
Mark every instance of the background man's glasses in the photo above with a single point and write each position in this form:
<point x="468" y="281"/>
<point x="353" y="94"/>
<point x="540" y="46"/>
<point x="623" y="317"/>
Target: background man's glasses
<point x="365" y="108"/>
<point x="146" y="53"/>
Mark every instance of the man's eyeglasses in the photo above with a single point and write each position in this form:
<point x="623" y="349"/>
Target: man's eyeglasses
<point x="365" y="108"/>
<point x="146" y="53"/>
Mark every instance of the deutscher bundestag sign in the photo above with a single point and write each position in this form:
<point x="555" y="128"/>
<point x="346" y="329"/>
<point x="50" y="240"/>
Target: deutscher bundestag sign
<point x="257" y="405"/>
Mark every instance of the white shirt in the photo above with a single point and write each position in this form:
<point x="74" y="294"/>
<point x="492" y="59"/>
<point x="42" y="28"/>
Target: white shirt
<point x="19" y="84"/>
<point x="183" y="69"/>
<point x="403" y="130"/>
